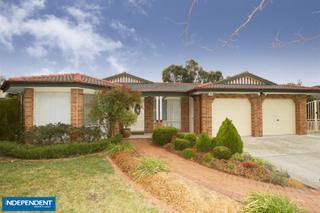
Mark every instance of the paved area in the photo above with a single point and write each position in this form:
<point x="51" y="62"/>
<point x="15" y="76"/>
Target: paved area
<point x="298" y="155"/>
<point x="233" y="186"/>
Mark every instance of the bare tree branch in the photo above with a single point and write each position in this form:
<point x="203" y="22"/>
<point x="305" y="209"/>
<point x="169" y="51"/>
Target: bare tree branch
<point x="299" y="38"/>
<point x="260" y="7"/>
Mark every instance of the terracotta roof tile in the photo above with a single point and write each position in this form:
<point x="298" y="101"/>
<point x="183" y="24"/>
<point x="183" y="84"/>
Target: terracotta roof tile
<point x="73" y="78"/>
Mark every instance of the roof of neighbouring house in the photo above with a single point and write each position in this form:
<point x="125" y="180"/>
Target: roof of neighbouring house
<point x="126" y="78"/>
<point x="58" y="79"/>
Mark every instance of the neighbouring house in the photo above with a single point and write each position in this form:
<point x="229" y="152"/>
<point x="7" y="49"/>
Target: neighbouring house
<point x="255" y="105"/>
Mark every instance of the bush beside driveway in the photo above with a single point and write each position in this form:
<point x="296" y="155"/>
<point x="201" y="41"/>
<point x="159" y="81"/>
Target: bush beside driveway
<point x="299" y="155"/>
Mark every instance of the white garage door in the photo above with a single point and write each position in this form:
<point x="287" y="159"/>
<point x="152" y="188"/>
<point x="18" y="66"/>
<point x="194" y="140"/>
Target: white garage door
<point x="236" y="109"/>
<point x="278" y="117"/>
<point x="52" y="107"/>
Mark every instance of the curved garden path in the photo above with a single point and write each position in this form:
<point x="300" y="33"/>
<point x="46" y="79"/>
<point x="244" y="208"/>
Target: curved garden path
<point x="233" y="186"/>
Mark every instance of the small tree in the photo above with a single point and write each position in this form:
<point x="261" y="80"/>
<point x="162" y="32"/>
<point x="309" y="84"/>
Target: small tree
<point x="114" y="107"/>
<point x="228" y="136"/>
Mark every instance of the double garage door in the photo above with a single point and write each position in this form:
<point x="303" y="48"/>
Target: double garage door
<point x="278" y="115"/>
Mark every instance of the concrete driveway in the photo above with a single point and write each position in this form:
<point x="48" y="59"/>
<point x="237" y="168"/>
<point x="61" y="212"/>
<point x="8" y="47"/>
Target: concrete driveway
<point x="298" y="155"/>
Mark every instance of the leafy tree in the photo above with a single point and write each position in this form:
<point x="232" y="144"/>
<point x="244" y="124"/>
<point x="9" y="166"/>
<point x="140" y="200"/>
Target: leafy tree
<point x="114" y="107"/>
<point x="192" y="72"/>
<point x="174" y="73"/>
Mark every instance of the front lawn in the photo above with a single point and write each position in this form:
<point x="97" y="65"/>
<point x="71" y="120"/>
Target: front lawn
<point x="83" y="184"/>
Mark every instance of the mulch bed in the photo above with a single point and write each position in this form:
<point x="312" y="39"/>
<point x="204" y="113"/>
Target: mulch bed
<point x="183" y="195"/>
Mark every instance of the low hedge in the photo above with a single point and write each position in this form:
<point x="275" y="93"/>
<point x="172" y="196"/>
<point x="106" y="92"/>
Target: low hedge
<point x="27" y="151"/>
<point x="163" y="135"/>
<point x="221" y="152"/>
<point x="181" y="144"/>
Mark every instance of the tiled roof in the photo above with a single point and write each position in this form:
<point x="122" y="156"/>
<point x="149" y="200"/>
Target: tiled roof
<point x="217" y="87"/>
<point x="74" y="78"/>
<point x="163" y="87"/>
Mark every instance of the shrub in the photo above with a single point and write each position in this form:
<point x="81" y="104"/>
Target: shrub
<point x="269" y="203"/>
<point x="61" y="133"/>
<point x="280" y="177"/>
<point x="213" y="142"/>
<point x="181" y="144"/>
<point x="163" y="135"/>
<point x="180" y="135"/>
<point x="191" y="137"/>
<point x="237" y="157"/>
<point x="188" y="153"/>
<point x="120" y="147"/>
<point x="207" y="158"/>
<point x="204" y="143"/>
<point x="27" y="151"/>
<point x="228" y="136"/>
<point x="221" y="152"/>
<point x="150" y="166"/>
<point x="10" y="119"/>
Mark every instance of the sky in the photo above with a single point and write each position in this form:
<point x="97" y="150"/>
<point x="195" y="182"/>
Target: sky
<point x="104" y="37"/>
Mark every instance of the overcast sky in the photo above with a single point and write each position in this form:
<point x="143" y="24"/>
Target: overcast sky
<point x="104" y="37"/>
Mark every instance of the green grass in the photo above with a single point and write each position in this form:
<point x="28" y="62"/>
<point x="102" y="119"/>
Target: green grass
<point x="150" y="166"/>
<point x="269" y="203"/>
<point x="83" y="184"/>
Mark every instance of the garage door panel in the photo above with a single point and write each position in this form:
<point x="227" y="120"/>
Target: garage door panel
<point x="236" y="109"/>
<point x="278" y="116"/>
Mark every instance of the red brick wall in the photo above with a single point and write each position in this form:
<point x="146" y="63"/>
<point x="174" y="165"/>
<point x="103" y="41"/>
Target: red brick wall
<point x="301" y="115"/>
<point x="77" y="107"/>
<point x="206" y="113"/>
<point x="197" y="114"/>
<point x="185" y="114"/>
<point x="256" y="116"/>
<point x="148" y="114"/>
<point x="28" y="100"/>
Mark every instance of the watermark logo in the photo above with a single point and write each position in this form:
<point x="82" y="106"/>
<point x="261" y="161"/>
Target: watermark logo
<point x="29" y="204"/>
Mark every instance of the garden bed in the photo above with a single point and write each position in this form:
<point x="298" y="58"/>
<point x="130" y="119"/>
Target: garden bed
<point x="245" y="166"/>
<point x="185" y="196"/>
<point x="223" y="153"/>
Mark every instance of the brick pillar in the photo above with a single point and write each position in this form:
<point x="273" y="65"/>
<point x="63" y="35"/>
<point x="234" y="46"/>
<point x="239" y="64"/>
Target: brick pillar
<point x="28" y="100"/>
<point x="148" y="114"/>
<point x="206" y="113"/>
<point x="256" y="116"/>
<point x="197" y="114"/>
<point x="184" y="114"/>
<point x="77" y="108"/>
<point x="301" y="114"/>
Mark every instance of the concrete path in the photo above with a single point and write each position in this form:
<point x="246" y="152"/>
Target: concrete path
<point x="298" y="155"/>
<point x="233" y="186"/>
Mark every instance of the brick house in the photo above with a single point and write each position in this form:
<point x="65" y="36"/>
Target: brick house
<point x="255" y="105"/>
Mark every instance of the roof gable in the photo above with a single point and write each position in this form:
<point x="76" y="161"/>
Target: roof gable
<point x="246" y="78"/>
<point x="126" y="78"/>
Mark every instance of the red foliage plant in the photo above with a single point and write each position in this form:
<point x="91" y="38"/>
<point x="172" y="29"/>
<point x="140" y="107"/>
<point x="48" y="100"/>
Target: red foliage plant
<point x="249" y="164"/>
